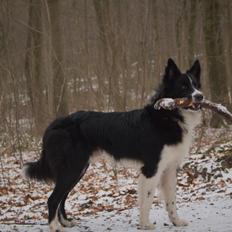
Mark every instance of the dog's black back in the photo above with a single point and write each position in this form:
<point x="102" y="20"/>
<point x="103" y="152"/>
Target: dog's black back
<point x="138" y="135"/>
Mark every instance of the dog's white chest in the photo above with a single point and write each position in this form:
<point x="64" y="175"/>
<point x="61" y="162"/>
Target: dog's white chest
<point x="173" y="155"/>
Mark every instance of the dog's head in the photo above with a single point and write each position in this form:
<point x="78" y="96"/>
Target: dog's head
<point x="182" y="85"/>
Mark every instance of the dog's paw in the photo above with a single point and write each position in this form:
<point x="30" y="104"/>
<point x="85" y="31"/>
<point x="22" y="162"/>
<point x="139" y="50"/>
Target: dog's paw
<point x="56" y="227"/>
<point x="69" y="222"/>
<point x="149" y="226"/>
<point x="180" y="222"/>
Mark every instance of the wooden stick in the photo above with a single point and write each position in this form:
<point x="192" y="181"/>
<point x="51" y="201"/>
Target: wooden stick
<point x="219" y="108"/>
<point x="170" y="104"/>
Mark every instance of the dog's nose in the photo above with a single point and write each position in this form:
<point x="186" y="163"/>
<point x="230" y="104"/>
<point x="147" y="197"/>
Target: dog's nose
<point x="198" y="97"/>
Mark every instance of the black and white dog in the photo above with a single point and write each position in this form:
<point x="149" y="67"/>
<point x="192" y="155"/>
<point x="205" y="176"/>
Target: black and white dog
<point x="157" y="140"/>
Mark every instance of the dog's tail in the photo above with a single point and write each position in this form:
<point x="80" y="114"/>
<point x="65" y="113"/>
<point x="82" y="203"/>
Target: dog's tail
<point x="38" y="170"/>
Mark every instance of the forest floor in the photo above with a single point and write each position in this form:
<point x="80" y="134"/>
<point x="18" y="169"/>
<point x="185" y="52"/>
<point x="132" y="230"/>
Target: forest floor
<point x="102" y="202"/>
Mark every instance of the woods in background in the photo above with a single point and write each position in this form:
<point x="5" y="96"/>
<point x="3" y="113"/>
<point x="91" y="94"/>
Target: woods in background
<point x="61" y="56"/>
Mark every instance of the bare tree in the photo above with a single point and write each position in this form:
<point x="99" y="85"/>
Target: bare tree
<point x="59" y="79"/>
<point x="215" y="58"/>
<point x="61" y="56"/>
<point x="33" y="65"/>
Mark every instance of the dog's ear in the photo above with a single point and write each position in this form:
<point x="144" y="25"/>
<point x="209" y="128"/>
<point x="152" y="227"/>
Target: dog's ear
<point x="171" y="71"/>
<point x="195" y="70"/>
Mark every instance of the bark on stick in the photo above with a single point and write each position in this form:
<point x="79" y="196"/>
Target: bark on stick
<point x="170" y="104"/>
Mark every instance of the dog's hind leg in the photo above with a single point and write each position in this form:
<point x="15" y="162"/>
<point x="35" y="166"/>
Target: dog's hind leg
<point x="66" y="180"/>
<point x="64" y="220"/>
<point x="168" y="188"/>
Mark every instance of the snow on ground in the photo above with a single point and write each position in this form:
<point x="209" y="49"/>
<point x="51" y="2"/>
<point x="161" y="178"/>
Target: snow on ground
<point x="212" y="215"/>
<point x="104" y="201"/>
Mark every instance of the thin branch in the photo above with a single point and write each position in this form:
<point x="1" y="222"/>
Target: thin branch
<point x="170" y="104"/>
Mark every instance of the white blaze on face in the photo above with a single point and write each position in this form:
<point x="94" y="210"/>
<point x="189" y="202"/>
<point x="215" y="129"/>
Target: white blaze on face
<point x="195" y="92"/>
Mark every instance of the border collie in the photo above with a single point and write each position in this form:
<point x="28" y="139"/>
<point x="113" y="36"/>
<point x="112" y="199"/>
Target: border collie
<point x="157" y="140"/>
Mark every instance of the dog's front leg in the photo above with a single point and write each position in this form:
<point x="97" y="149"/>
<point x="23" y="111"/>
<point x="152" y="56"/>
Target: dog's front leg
<point x="145" y="199"/>
<point x="168" y="187"/>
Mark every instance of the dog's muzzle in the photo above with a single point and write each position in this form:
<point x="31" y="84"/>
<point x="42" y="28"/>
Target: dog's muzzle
<point x="198" y="98"/>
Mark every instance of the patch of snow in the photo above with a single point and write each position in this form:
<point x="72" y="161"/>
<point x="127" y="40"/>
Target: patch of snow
<point x="209" y="215"/>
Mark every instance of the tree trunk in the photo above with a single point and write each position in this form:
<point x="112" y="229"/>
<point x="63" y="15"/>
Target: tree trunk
<point x="59" y="80"/>
<point x="47" y="57"/>
<point x="192" y="30"/>
<point x="112" y="51"/>
<point x="215" y="57"/>
<point x="33" y="65"/>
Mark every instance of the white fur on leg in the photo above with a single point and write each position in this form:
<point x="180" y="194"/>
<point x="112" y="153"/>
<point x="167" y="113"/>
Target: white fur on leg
<point x="68" y="223"/>
<point x="145" y="199"/>
<point x="168" y="185"/>
<point x="55" y="224"/>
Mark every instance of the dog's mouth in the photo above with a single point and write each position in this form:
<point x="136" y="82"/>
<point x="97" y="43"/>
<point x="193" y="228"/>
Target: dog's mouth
<point x="194" y="102"/>
<point x="194" y="107"/>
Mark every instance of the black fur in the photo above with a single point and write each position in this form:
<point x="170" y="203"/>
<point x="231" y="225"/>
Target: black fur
<point x="39" y="170"/>
<point x="69" y="142"/>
